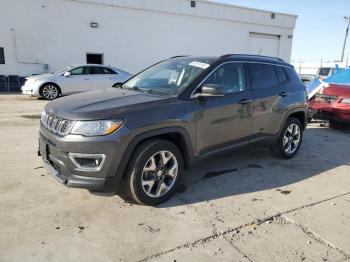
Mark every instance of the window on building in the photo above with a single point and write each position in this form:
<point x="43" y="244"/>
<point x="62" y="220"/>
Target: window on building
<point x="262" y="76"/>
<point x="2" y="55"/>
<point x="94" y="59"/>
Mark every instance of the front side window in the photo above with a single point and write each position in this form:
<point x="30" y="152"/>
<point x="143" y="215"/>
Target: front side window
<point x="230" y="77"/>
<point x="169" y="77"/>
<point x="262" y="76"/>
<point x="78" y="71"/>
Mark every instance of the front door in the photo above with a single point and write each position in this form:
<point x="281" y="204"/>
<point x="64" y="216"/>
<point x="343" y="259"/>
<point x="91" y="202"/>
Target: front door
<point x="226" y="120"/>
<point x="78" y="81"/>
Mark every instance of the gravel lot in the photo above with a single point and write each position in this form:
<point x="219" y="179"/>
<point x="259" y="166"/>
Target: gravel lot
<point x="244" y="206"/>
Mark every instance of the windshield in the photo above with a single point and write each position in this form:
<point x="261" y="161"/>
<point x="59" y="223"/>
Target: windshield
<point x="62" y="70"/>
<point x="169" y="77"/>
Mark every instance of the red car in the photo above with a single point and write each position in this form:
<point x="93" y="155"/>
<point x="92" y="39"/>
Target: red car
<point x="333" y="104"/>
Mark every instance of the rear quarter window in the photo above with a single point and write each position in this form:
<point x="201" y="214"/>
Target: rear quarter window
<point x="292" y="74"/>
<point x="281" y="74"/>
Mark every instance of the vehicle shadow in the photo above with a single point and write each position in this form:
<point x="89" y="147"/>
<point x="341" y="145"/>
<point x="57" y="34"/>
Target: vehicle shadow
<point x="256" y="169"/>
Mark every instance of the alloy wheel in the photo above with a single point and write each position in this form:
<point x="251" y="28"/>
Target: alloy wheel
<point x="159" y="174"/>
<point x="291" y="138"/>
<point x="50" y="92"/>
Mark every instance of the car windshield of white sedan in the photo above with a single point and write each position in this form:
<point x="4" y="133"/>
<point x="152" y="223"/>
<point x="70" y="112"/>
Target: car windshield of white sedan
<point x="169" y="77"/>
<point x="62" y="70"/>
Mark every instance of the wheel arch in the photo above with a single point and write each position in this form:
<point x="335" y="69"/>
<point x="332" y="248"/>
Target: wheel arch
<point x="49" y="83"/>
<point x="176" y="135"/>
<point x="298" y="113"/>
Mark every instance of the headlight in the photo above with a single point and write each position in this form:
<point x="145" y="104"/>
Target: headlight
<point x="346" y="101"/>
<point x="43" y="117"/>
<point x="96" y="128"/>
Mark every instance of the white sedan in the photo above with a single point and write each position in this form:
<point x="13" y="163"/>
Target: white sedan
<point x="73" y="79"/>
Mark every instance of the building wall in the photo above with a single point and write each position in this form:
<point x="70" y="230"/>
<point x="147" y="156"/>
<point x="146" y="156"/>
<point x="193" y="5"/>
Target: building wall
<point x="131" y="34"/>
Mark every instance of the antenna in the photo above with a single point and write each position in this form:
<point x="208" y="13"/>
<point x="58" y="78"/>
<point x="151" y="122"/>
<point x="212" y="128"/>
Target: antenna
<point x="259" y="51"/>
<point x="347" y="18"/>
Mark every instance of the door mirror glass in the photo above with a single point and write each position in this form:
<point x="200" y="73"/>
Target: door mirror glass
<point x="67" y="74"/>
<point x="211" y="90"/>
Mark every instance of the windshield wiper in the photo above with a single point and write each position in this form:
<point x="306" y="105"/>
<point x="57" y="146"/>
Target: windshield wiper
<point x="144" y="90"/>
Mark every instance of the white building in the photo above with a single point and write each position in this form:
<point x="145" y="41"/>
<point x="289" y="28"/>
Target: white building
<point x="37" y="36"/>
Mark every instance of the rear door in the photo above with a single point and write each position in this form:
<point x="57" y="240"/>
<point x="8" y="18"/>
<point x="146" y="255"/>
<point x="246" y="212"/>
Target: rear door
<point x="101" y="77"/>
<point x="224" y="121"/>
<point x="267" y="93"/>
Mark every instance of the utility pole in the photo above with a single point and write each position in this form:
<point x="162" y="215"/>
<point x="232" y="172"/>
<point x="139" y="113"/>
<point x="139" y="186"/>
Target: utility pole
<point x="347" y="18"/>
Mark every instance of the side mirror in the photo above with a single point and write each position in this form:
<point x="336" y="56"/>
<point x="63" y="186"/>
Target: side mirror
<point x="118" y="85"/>
<point x="211" y="90"/>
<point x="67" y="74"/>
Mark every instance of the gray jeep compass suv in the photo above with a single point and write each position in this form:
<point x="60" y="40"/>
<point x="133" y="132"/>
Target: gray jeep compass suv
<point x="140" y="135"/>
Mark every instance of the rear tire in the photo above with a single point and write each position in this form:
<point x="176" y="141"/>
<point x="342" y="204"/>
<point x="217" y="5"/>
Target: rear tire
<point x="290" y="139"/>
<point x="154" y="172"/>
<point x="335" y="125"/>
<point x="50" y="91"/>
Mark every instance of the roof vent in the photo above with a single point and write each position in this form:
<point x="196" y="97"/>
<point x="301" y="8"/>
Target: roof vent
<point x="193" y="4"/>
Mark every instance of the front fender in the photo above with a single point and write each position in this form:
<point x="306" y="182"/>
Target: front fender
<point x="186" y="145"/>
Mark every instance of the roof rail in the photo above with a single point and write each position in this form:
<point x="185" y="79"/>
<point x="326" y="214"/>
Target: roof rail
<point x="177" y="56"/>
<point x="271" y="57"/>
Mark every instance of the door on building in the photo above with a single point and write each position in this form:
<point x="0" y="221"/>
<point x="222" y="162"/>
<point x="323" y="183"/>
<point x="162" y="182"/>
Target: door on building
<point x="264" y="44"/>
<point x="94" y="59"/>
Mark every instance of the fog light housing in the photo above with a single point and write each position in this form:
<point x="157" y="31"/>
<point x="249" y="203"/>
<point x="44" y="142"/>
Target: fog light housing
<point x="87" y="162"/>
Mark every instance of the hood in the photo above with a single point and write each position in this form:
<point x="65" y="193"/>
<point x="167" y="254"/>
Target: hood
<point x="337" y="90"/>
<point x="101" y="104"/>
<point x="36" y="77"/>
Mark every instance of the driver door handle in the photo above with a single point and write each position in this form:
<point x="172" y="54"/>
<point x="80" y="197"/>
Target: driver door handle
<point x="245" y="101"/>
<point x="283" y="94"/>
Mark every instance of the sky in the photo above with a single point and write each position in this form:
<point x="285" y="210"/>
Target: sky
<point x="320" y="27"/>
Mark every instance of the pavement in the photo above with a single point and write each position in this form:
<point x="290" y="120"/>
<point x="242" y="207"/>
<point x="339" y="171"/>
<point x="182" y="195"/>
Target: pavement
<point x="243" y="206"/>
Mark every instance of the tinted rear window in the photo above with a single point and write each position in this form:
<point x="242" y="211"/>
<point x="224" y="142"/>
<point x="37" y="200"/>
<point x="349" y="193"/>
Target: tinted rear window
<point x="262" y="76"/>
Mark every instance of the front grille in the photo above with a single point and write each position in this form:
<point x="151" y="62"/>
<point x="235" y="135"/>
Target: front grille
<point x="56" y="125"/>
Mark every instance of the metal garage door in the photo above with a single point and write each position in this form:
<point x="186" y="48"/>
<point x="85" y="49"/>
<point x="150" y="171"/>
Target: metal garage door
<point x="264" y="44"/>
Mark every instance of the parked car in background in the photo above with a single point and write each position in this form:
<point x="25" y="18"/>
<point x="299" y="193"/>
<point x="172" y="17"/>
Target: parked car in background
<point x="142" y="135"/>
<point x="324" y="72"/>
<point x="73" y="79"/>
<point x="306" y="79"/>
<point x="333" y="104"/>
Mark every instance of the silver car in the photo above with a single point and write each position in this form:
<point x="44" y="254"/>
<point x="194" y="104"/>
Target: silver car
<point x="73" y="79"/>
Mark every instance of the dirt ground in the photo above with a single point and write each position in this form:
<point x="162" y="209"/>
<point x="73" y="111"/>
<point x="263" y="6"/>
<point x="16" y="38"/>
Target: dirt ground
<point x="244" y="206"/>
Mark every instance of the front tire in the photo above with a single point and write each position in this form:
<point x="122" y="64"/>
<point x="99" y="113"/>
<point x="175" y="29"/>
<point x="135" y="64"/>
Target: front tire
<point x="290" y="139"/>
<point x="49" y="91"/>
<point x="154" y="172"/>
